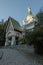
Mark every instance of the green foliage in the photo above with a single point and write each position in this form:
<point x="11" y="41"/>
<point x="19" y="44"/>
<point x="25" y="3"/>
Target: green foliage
<point x="35" y="38"/>
<point x="38" y="39"/>
<point x="39" y="18"/>
<point x="2" y="35"/>
<point x="22" y="40"/>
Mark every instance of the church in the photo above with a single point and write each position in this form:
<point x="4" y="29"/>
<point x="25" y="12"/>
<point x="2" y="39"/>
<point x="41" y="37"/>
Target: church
<point x="29" y="21"/>
<point x="13" y="32"/>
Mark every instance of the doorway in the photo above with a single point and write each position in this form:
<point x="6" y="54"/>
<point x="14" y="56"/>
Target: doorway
<point x="17" y="40"/>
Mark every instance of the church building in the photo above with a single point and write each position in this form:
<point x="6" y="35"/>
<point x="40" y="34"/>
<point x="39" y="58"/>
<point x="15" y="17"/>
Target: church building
<point x="13" y="32"/>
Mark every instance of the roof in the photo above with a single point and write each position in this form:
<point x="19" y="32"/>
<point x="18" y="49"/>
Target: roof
<point x="15" y="24"/>
<point x="30" y="12"/>
<point x="5" y="25"/>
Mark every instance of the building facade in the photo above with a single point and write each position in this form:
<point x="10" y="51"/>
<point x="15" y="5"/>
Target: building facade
<point x="13" y="32"/>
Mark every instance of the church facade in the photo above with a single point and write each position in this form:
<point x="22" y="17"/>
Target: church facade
<point x="13" y="32"/>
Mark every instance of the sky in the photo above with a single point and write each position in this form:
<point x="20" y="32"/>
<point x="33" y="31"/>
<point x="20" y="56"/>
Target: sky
<point x="17" y="9"/>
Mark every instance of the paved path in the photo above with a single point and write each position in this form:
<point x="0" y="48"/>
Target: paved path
<point x="14" y="57"/>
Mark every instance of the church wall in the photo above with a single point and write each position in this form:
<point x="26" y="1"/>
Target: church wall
<point x="10" y="32"/>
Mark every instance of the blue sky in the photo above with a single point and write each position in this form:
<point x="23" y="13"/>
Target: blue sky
<point x="18" y="8"/>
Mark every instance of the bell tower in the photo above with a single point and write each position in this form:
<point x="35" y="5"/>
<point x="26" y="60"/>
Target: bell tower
<point x="29" y="17"/>
<point x="28" y="22"/>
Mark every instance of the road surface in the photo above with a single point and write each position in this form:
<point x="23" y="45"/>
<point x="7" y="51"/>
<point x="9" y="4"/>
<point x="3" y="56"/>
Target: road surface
<point x="14" y="57"/>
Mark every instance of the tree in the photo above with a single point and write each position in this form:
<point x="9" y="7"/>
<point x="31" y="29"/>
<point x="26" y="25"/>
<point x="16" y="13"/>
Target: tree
<point x="2" y="34"/>
<point x="39" y="17"/>
<point x="34" y="38"/>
